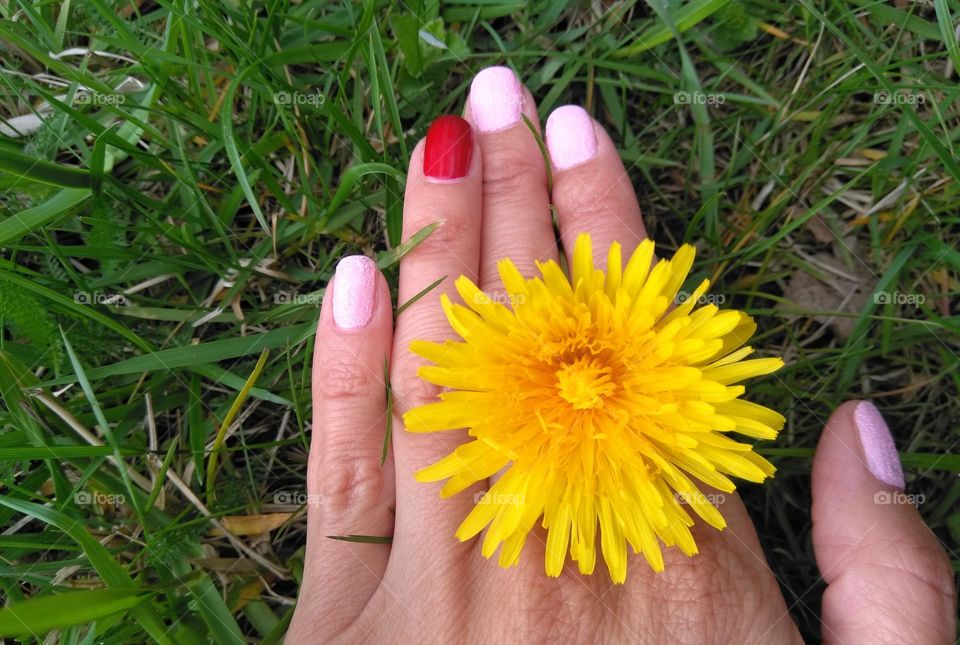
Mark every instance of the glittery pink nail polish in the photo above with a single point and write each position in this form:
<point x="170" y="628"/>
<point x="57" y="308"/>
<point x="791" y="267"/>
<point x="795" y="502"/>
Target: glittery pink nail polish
<point x="496" y="99"/>
<point x="878" y="447"/>
<point x="570" y="137"/>
<point x="354" y="292"/>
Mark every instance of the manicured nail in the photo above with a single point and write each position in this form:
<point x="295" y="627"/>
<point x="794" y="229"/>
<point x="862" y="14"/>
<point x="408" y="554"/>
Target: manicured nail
<point x="449" y="148"/>
<point x="570" y="137"/>
<point x="354" y="292"/>
<point x="878" y="447"/>
<point x="496" y="99"/>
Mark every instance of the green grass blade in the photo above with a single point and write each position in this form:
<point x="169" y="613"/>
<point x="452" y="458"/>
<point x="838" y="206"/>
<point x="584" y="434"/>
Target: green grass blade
<point x="27" y="221"/>
<point x="363" y="539"/>
<point x="214" y="611"/>
<point x="192" y="355"/>
<point x="39" y="615"/>
<point x="22" y="167"/>
<point x="71" y="305"/>
<point x="687" y="16"/>
<point x="233" y="153"/>
<point x="105" y="426"/>
<point x="227" y="420"/>
<point x="948" y="31"/>
<point x="61" y="452"/>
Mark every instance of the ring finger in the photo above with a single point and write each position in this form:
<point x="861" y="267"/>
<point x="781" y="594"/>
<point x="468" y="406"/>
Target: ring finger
<point x="591" y="188"/>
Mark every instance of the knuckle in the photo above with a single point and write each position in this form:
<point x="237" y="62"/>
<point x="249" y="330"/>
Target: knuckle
<point x="717" y="590"/>
<point x="584" y="202"/>
<point x="350" y="482"/>
<point x="554" y="613"/>
<point x="512" y="178"/>
<point x="411" y="391"/>
<point x="343" y="377"/>
<point x="593" y="200"/>
<point x="453" y="230"/>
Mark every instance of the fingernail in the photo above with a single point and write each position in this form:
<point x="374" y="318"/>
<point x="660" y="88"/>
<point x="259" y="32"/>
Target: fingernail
<point x="496" y="99"/>
<point x="449" y="148"/>
<point x="354" y="291"/>
<point x="570" y="137"/>
<point x="878" y="447"/>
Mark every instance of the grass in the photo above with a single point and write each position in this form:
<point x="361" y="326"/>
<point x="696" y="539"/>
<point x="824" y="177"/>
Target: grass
<point x="165" y="246"/>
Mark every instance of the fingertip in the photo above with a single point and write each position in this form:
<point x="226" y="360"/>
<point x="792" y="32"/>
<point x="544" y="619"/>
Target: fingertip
<point x="591" y="188"/>
<point x="355" y="295"/>
<point x="855" y="457"/>
<point x="571" y="137"/>
<point x="449" y="153"/>
<point x="880" y="453"/>
<point x="496" y="100"/>
<point x="449" y="149"/>
<point x="886" y="571"/>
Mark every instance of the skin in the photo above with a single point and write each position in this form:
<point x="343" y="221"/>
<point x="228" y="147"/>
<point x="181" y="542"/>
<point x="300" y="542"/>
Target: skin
<point x="889" y="579"/>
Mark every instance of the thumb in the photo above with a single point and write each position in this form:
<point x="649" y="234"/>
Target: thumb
<point x="888" y="578"/>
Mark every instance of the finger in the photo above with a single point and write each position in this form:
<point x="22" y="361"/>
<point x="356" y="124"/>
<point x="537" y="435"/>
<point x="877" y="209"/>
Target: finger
<point x="349" y="492"/>
<point x="888" y="578"/>
<point x="443" y="184"/>
<point x="516" y="205"/>
<point x="591" y="189"/>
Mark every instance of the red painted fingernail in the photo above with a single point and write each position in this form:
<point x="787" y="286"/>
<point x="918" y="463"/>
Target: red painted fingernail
<point x="449" y="148"/>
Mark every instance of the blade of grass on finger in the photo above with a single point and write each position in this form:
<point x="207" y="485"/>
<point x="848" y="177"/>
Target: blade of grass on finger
<point x="391" y="257"/>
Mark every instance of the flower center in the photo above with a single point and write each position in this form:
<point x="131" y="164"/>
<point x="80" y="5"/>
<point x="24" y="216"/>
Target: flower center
<point x="584" y="384"/>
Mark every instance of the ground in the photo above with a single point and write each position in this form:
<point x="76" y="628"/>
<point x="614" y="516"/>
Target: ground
<point x="179" y="179"/>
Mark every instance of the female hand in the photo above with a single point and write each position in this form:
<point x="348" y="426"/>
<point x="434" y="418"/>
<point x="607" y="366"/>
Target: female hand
<point x="888" y="577"/>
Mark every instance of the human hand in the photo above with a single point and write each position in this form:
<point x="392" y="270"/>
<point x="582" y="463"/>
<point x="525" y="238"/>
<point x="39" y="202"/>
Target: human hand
<point x="888" y="578"/>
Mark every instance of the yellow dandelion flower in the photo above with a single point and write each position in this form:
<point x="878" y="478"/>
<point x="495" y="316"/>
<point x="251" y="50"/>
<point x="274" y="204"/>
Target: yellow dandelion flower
<point x="604" y="406"/>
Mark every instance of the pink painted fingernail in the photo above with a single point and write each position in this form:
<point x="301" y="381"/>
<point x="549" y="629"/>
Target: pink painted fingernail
<point x="354" y="292"/>
<point x="878" y="447"/>
<point x="570" y="137"/>
<point x="496" y="99"/>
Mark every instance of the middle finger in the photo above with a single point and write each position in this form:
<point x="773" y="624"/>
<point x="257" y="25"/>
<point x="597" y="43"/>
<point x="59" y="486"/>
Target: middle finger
<point x="516" y="205"/>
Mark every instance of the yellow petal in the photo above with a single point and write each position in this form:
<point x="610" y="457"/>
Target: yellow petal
<point x="736" y="372"/>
